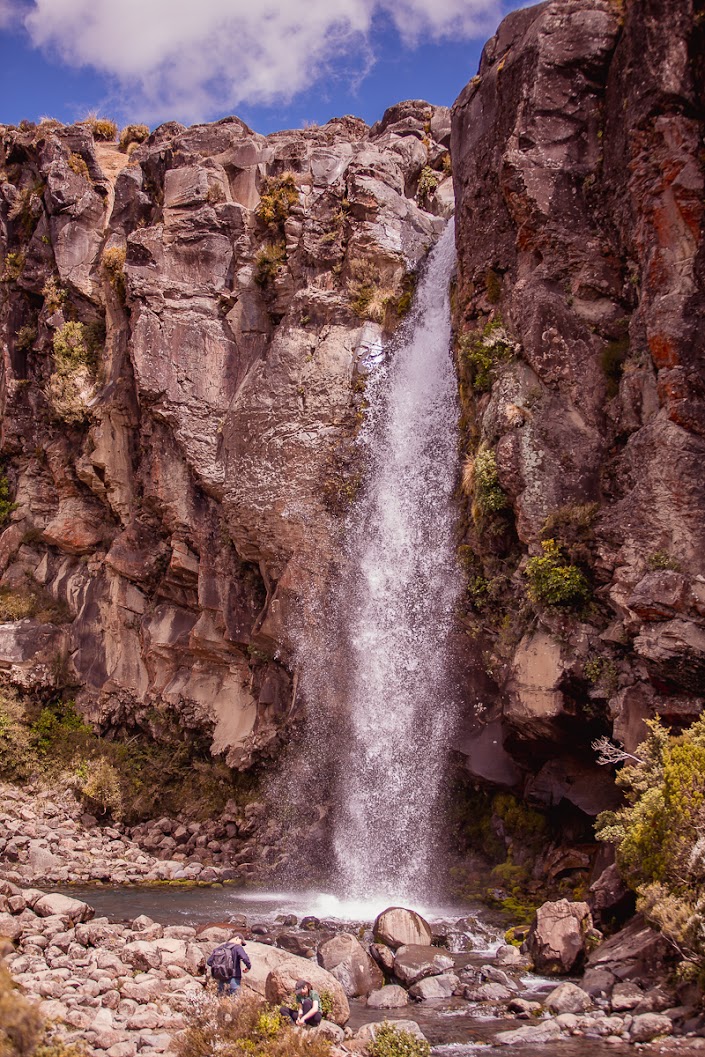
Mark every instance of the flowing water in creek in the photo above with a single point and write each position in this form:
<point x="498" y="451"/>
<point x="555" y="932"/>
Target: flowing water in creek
<point x="380" y="714"/>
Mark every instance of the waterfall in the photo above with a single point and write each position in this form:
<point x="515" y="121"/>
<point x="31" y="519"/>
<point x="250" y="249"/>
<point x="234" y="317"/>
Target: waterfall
<point x="376" y="674"/>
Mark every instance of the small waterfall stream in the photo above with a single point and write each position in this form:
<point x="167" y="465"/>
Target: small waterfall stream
<point x="373" y="657"/>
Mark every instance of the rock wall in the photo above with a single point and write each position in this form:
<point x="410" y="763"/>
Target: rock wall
<point x="184" y="336"/>
<point x="579" y="177"/>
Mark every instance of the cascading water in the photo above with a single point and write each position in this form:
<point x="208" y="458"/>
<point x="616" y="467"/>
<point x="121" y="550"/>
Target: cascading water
<point x="375" y="673"/>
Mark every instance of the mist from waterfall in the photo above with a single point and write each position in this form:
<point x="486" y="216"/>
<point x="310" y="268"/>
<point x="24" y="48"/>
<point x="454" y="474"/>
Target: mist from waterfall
<point x="375" y="674"/>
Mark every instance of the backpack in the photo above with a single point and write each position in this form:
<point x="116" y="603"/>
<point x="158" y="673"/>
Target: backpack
<point x="223" y="962"/>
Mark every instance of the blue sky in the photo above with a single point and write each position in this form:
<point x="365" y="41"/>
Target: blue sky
<point x="275" y="63"/>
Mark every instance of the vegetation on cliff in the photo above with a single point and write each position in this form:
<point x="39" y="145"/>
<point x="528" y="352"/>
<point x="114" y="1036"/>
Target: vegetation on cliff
<point x="660" y="833"/>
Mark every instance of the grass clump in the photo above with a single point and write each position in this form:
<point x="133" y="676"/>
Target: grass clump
<point x="481" y="480"/>
<point x="30" y="599"/>
<point x="269" y="262"/>
<point x="113" y="262"/>
<point x="78" y="165"/>
<point x="391" y="1041"/>
<point x="246" y="1027"/>
<point x="659" y="834"/>
<point x="429" y="180"/>
<point x="27" y="208"/>
<point x="662" y="560"/>
<point x="133" y="134"/>
<point x="553" y="581"/>
<point x="483" y="352"/>
<point x="54" y="295"/>
<point x="279" y="195"/>
<point x="102" y="128"/>
<point x="25" y="337"/>
<point x="369" y="297"/>
<point x="14" y="266"/>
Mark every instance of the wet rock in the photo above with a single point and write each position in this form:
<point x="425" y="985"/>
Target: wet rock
<point x="537" y="1035"/>
<point x="397" y="927"/>
<point x="649" y="1026"/>
<point x="413" y="962"/>
<point x="556" y="941"/>
<point x="383" y="955"/>
<point x="390" y="997"/>
<point x="348" y="961"/>
<point x="489" y="992"/>
<point x="368" y="1031"/>
<point x="625" y="997"/>
<point x="434" y="987"/>
<point x="568" y="998"/>
<point x="63" y="906"/>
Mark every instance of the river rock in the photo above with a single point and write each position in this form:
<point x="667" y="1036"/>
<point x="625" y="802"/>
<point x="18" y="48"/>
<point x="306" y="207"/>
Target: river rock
<point x="433" y="987"/>
<point x="625" y="997"/>
<point x="64" y="906"/>
<point x="384" y="956"/>
<point x="281" y="983"/>
<point x="347" y="960"/>
<point x="568" y="998"/>
<point x="635" y="953"/>
<point x="530" y="1035"/>
<point x="390" y="997"/>
<point x="556" y="941"/>
<point x="648" y="1026"/>
<point x="368" y="1031"/>
<point x="413" y="962"/>
<point x="397" y="927"/>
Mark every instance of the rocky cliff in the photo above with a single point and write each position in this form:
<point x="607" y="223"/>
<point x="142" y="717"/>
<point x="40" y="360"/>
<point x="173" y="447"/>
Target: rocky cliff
<point x="579" y="176"/>
<point x="185" y="331"/>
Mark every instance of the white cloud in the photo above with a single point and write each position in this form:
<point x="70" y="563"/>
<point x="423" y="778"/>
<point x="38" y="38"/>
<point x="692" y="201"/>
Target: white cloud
<point x="195" y="58"/>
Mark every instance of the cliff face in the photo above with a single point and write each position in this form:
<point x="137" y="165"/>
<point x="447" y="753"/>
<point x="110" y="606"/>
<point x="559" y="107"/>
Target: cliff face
<point x="184" y="334"/>
<point x="579" y="180"/>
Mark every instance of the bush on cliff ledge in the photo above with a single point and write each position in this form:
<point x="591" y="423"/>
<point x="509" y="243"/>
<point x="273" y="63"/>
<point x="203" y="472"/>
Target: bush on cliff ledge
<point x="553" y="581"/>
<point x="660" y="834"/>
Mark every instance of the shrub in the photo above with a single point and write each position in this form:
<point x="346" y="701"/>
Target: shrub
<point x="24" y="1032"/>
<point x="56" y="725"/>
<point x="482" y="352"/>
<point x="246" y="1026"/>
<point x="102" y="128"/>
<point x="480" y="477"/>
<point x="369" y="297"/>
<point x="428" y="182"/>
<point x="278" y="197"/>
<point x="553" y="581"/>
<point x="25" y="337"/>
<point x="6" y="505"/>
<point x="71" y="384"/>
<point x="78" y="165"/>
<point x="133" y="134"/>
<point x="99" y="784"/>
<point x="390" y="1041"/>
<point x="660" y="833"/>
<point x="663" y="560"/>
<point x="269" y="261"/>
<point x="14" y="266"/>
<point x="26" y="209"/>
<point x="18" y="760"/>
<point x="53" y="294"/>
<point x="113" y="262"/>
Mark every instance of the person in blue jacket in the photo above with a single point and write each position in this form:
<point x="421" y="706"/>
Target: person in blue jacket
<point x="240" y="964"/>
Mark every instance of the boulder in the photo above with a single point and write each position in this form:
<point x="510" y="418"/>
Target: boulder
<point x="390" y="997"/>
<point x="609" y="898"/>
<point x="648" y="1026"/>
<point x="413" y="962"/>
<point x="63" y="906"/>
<point x="399" y="927"/>
<point x="281" y="982"/>
<point x="530" y="1035"/>
<point x="634" y="953"/>
<point x="556" y="941"/>
<point x="568" y="998"/>
<point x="383" y="955"/>
<point x="346" y="959"/>
<point x="625" y="997"/>
<point x="433" y="987"/>
<point x="368" y="1031"/>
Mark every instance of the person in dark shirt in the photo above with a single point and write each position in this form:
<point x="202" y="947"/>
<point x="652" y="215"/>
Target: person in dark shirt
<point x="241" y="964"/>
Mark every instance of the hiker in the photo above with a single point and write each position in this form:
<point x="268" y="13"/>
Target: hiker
<point x="308" y="1006"/>
<point x="227" y="964"/>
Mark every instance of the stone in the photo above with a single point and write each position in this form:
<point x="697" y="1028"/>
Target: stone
<point x="648" y="1026"/>
<point x="434" y="987"/>
<point x="556" y="941"/>
<point x="568" y="998"/>
<point x="368" y="1031"/>
<point x="509" y="955"/>
<point x="281" y="982"/>
<point x="413" y="962"/>
<point x="383" y="955"/>
<point x="397" y="927"/>
<point x="635" y="953"/>
<point x="389" y="997"/>
<point x="345" y="957"/>
<point x="64" y="906"/>
<point x="625" y="996"/>
<point x="530" y="1035"/>
<point x="490" y="992"/>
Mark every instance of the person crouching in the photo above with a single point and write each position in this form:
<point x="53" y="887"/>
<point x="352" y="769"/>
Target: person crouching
<point x="308" y="1006"/>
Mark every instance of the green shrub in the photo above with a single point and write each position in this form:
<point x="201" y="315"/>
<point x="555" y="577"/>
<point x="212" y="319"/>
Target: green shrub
<point x="482" y="352"/>
<point x="71" y="384"/>
<point x="269" y="262"/>
<point x="99" y="785"/>
<point x="56" y="724"/>
<point x="660" y="833"/>
<point x="54" y="295"/>
<point x="552" y="581"/>
<point x="428" y="182"/>
<point x="481" y="480"/>
<point x="18" y="760"/>
<point x="14" y="266"/>
<point x="391" y="1041"/>
<point x="278" y="197"/>
<point x="133" y="134"/>
<point x="663" y="560"/>
<point x="25" y="337"/>
<point x="6" y="504"/>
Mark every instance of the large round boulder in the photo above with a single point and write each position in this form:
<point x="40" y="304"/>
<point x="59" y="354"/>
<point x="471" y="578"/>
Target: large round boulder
<point x="281" y="984"/>
<point x="390" y="997"/>
<point x="399" y="927"/>
<point x="347" y="960"/>
<point x="556" y="940"/>
<point x="63" y="906"/>
<point x="414" y="962"/>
